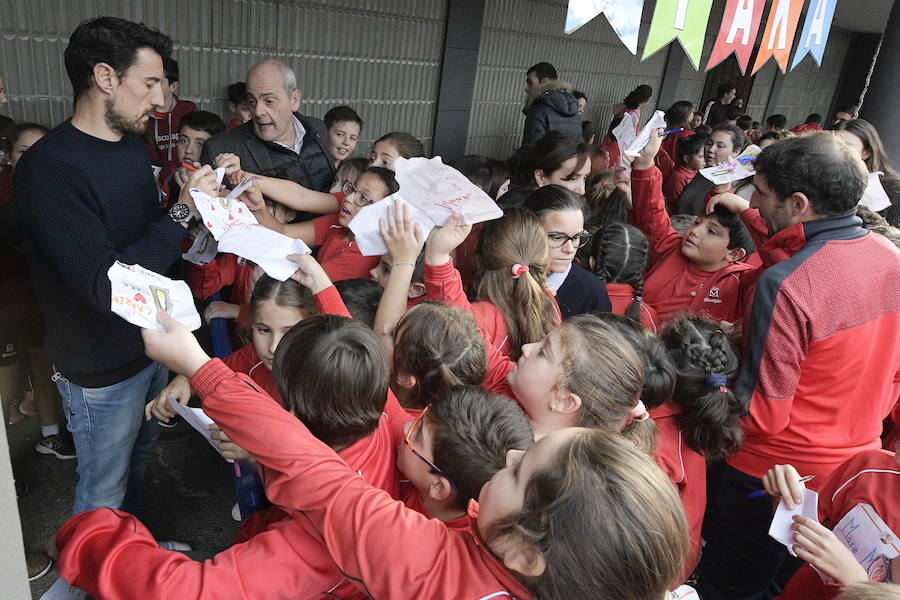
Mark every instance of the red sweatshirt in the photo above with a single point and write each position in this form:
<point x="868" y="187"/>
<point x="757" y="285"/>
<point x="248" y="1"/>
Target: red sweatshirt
<point x="872" y="478"/>
<point x="674" y="184"/>
<point x="670" y="144"/>
<point x="227" y="269"/>
<point x="443" y="284"/>
<point x="674" y="284"/>
<point x="247" y="361"/>
<point x="622" y="295"/>
<point x="806" y="128"/>
<point x="340" y="259"/>
<point x="687" y="470"/>
<point x="822" y="364"/>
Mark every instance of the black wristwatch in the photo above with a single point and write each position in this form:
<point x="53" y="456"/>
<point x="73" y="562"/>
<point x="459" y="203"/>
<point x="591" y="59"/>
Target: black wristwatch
<point x="181" y="213"/>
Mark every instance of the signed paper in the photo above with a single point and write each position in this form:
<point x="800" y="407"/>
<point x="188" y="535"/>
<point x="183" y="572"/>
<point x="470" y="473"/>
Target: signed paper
<point x="139" y="294"/>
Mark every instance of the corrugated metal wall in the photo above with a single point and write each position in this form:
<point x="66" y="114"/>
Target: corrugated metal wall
<point x="382" y="57"/>
<point x="519" y="33"/>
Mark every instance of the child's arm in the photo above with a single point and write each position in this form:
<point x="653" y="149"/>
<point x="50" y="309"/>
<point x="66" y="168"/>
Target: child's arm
<point x="648" y="204"/>
<point x="442" y="281"/>
<point x="253" y="198"/>
<point x="283" y="191"/>
<point x="312" y="276"/>
<point x="820" y="547"/>
<point x="404" y="240"/>
<point x="178" y="390"/>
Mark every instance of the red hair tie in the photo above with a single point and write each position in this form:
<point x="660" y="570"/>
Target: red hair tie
<point x="518" y="269"/>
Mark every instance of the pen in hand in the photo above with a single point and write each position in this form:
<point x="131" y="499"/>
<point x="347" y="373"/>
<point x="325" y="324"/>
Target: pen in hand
<point x="761" y="493"/>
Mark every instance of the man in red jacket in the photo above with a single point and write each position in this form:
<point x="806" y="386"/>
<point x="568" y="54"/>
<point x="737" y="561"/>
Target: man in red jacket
<point x="822" y="364"/>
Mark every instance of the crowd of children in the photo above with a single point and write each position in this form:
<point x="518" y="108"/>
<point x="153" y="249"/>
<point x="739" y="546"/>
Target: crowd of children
<point x="526" y="408"/>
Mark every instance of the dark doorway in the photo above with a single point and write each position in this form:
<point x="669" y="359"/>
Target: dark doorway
<point x="727" y="71"/>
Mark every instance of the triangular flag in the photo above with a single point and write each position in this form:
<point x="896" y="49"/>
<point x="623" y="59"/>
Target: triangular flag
<point x="740" y="24"/>
<point x="623" y="15"/>
<point x="779" y="35"/>
<point x="815" y="31"/>
<point x="682" y="19"/>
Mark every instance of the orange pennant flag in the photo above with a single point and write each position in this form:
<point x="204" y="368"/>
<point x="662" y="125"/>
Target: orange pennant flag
<point x="784" y="15"/>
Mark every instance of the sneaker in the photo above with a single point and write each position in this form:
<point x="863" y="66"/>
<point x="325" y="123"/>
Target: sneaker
<point x="38" y="565"/>
<point x="173" y="545"/>
<point x="56" y="445"/>
<point x="236" y="512"/>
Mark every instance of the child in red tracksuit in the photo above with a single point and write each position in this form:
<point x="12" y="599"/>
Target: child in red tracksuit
<point x="394" y="552"/>
<point x="872" y="478"/>
<point x="688" y="161"/>
<point x="702" y="417"/>
<point x="514" y="307"/>
<point x="700" y="272"/>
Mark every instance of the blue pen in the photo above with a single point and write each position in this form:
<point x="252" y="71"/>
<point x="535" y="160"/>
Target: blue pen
<point x="762" y="493"/>
<point x="671" y="131"/>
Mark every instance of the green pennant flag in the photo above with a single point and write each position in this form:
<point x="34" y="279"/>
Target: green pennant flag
<point x="685" y="20"/>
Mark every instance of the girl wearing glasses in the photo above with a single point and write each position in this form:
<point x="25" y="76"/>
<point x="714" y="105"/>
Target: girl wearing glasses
<point x="562" y="215"/>
<point x="338" y="253"/>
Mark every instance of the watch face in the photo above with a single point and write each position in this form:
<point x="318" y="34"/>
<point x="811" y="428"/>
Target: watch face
<point x="180" y="212"/>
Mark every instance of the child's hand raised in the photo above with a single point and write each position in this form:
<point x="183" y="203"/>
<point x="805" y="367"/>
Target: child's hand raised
<point x="178" y="390"/>
<point x="820" y="547"/>
<point x="648" y="153"/>
<point x="253" y="198"/>
<point x="732" y="202"/>
<point x="309" y="273"/>
<point x="403" y="237"/>
<point x="232" y="165"/>
<point x="175" y="348"/>
<point x="443" y="240"/>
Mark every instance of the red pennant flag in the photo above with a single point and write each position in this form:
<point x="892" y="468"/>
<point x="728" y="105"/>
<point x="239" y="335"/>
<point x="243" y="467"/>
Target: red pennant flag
<point x="737" y="34"/>
<point x="779" y="35"/>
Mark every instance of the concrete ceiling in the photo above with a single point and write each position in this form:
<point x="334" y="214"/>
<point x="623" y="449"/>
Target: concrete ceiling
<point x="867" y="16"/>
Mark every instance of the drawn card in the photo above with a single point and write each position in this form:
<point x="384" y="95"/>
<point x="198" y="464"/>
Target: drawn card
<point x="222" y="214"/>
<point x="138" y="294"/>
<point x="739" y="168"/>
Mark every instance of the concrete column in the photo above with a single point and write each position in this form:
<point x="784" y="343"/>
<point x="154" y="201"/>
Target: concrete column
<point x="668" y="89"/>
<point x="458" y="65"/>
<point x="13" y="573"/>
<point x="879" y="106"/>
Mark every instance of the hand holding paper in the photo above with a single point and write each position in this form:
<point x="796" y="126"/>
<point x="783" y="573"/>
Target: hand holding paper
<point x="174" y="347"/>
<point x="821" y="548"/>
<point x="656" y="122"/>
<point x="138" y="295"/>
<point x="782" y="529"/>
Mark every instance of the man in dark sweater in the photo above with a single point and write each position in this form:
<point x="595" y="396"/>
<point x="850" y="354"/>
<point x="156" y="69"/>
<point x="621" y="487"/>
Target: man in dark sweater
<point x="87" y="198"/>
<point x="277" y="135"/>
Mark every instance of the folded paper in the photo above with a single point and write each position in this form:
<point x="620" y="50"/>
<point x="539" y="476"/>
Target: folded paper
<point x="624" y="17"/>
<point x="684" y="20"/>
<point x="657" y="121"/>
<point x="815" y="31"/>
<point x="739" y="168"/>
<point x="366" y="225"/>
<point x="196" y="418"/>
<point x="221" y="214"/>
<point x="737" y="33"/>
<point x="781" y="527"/>
<point x="139" y="294"/>
<point x="267" y="248"/>
<point x="779" y="34"/>
<point x="203" y="250"/>
<point x="875" y="198"/>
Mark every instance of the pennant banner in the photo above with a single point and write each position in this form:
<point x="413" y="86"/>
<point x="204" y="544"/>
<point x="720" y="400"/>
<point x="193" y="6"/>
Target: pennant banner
<point x="815" y="31"/>
<point x="779" y="34"/>
<point x="682" y="19"/>
<point x="737" y="34"/>
<point x="623" y="15"/>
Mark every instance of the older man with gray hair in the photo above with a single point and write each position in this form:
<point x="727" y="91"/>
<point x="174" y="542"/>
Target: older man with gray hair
<point x="277" y="135"/>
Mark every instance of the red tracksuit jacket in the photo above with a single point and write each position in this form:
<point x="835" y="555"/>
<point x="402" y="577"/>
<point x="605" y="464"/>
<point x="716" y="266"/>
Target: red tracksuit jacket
<point x="673" y="283"/>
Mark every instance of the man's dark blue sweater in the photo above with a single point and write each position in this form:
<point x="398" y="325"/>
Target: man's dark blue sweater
<point x="85" y="203"/>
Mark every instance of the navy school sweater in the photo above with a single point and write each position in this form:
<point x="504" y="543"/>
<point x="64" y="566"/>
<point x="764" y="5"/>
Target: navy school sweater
<point x="85" y="203"/>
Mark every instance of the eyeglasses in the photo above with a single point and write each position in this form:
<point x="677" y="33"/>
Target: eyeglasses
<point x="558" y="240"/>
<point x="184" y="140"/>
<point x="412" y="429"/>
<point x="359" y="198"/>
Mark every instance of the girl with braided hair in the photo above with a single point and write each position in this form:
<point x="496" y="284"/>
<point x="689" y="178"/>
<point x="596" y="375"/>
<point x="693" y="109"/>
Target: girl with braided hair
<point x="618" y="257"/>
<point x="701" y="418"/>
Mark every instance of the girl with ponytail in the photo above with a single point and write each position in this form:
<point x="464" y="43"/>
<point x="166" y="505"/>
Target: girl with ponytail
<point x="702" y="418"/>
<point x="618" y="257"/>
<point x="514" y="306"/>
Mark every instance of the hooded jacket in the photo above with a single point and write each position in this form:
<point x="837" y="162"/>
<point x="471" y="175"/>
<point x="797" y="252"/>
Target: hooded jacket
<point x="550" y="107"/>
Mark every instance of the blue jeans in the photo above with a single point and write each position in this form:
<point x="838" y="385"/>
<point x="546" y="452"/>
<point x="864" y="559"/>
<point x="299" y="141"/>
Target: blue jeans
<point x="112" y="438"/>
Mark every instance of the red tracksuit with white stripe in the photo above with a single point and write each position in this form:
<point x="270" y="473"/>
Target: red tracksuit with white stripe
<point x="871" y="477"/>
<point x="673" y="283"/>
<point x="822" y="364"/>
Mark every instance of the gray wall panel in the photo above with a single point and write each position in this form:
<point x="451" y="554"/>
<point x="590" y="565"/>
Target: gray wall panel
<point x="381" y="57"/>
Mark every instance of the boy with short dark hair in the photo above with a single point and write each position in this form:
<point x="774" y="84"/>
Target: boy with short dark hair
<point x="344" y="126"/>
<point x="238" y="104"/>
<point x="776" y="123"/>
<point x="162" y="130"/>
<point x="193" y="131"/>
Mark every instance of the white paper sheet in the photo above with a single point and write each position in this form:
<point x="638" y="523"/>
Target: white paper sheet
<point x="434" y="191"/>
<point x="740" y="168"/>
<point x="780" y="529"/>
<point x="221" y="214"/>
<point x="203" y="250"/>
<point x="196" y="418"/>
<point x="366" y="228"/>
<point x="267" y="248"/>
<point x="875" y="198"/>
<point x="641" y="139"/>
<point x="241" y="187"/>
<point x="870" y="540"/>
<point x="624" y="133"/>
<point x="139" y="294"/>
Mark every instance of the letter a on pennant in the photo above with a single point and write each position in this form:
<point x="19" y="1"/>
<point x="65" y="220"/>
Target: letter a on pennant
<point x="815" y="31"/>
<point x="682" y="19"/>
<point x="740" y="24"/>
<point x="623" y="15"/>
<point x="779" y="34"/>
